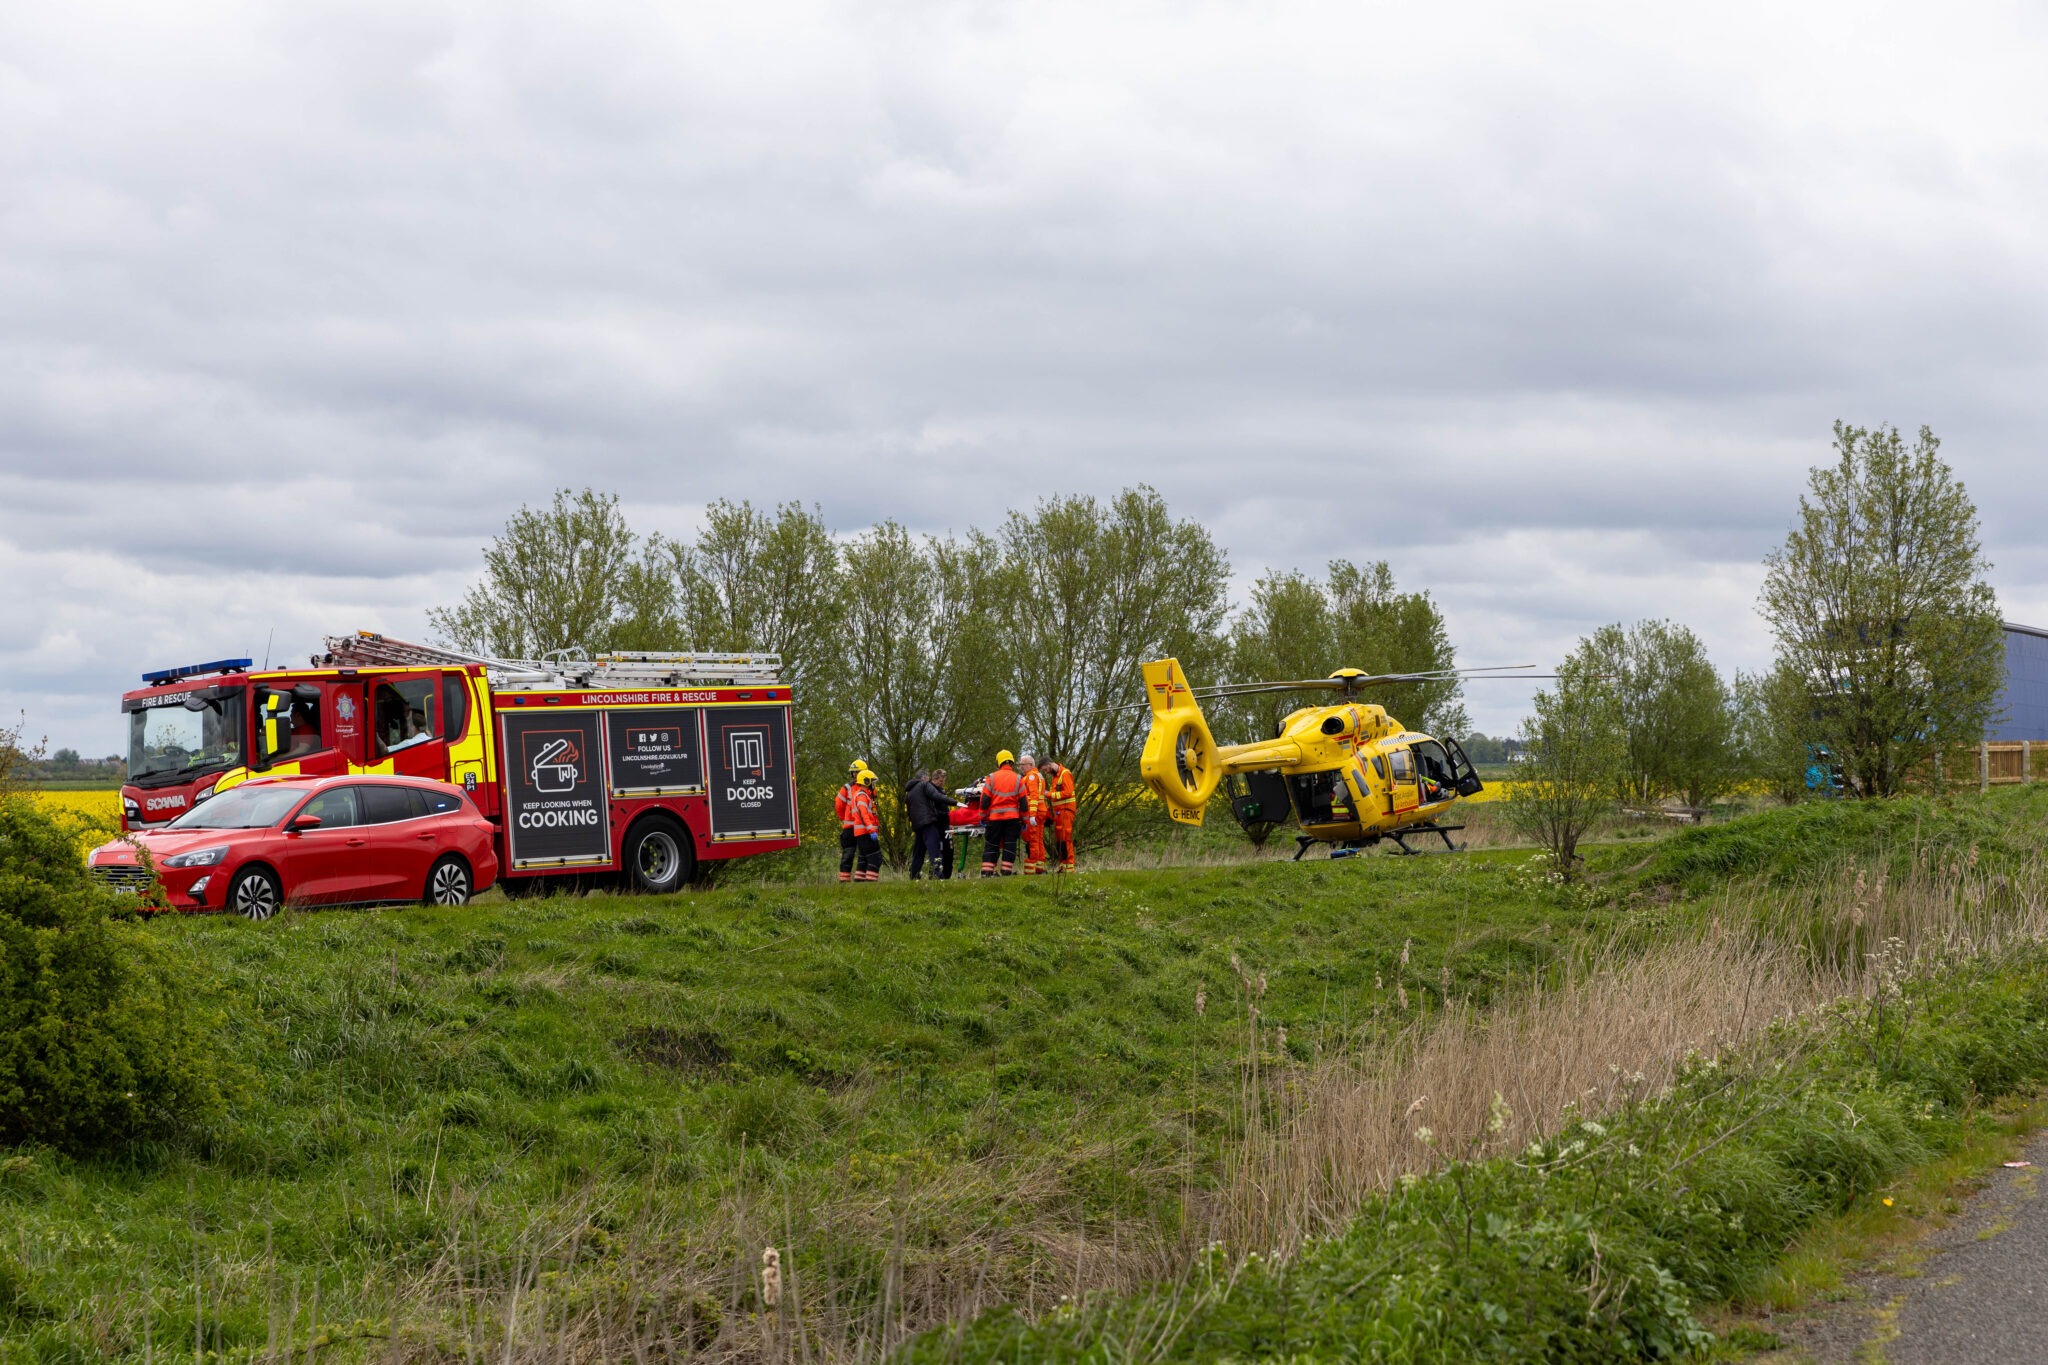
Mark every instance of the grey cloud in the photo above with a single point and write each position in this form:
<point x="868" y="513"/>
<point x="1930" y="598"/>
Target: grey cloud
<point x="1553" y="310"/>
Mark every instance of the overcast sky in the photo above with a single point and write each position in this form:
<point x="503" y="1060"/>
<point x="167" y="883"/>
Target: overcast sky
<point x="1551" y="310"/>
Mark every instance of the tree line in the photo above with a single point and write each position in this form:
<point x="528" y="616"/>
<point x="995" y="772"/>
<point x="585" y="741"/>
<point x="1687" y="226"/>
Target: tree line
<point x="918" y="652"/>
<point x="1890" y="653"/>
<point x="934" y="651"/>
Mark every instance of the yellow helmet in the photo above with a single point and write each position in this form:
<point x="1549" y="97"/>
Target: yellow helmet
<point x="1005" y="756"/>
<point x="867" y="778"/>
<point x="860" y="765"/>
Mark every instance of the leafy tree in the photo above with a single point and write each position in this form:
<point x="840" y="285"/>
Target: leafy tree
<point x="1774" y="725"/>
<point x="1880" y="607"/>
<point x="1097" y="590"/>
<point x="1578" y="750"/>
<point x="1286" y="631"/>
<point x="1295" y="627"/>
<point x="922" y="647"/>
<point x="65" y="758"/>
<point x="1486" y="750"/>
<point x="571" y="577"/>
<point x="772" y="581"/>
<point x="1383" y="630"/>
<point x="19" y="759"/>
<point x="1676" y="713"/>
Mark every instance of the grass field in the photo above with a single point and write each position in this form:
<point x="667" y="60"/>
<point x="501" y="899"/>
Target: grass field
<point x="934" y="1095"/>
<point x="992" y="1077"/>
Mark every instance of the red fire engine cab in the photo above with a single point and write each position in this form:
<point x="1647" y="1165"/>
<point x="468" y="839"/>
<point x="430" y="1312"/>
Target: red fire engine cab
<point x="634" y="764"/>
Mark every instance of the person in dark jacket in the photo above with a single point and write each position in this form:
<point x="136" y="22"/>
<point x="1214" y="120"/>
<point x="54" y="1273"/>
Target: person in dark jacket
<point x="927" y="802"/>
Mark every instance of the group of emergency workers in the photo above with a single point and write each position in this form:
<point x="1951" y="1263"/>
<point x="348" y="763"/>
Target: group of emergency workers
<point x="1021" y="801"/>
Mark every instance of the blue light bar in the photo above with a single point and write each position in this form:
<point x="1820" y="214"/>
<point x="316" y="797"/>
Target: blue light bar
<point x="164" y="675"/>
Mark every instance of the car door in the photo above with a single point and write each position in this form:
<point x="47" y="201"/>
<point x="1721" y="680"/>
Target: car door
<point x="401" y="845"/>
<point x="318" y="865"/>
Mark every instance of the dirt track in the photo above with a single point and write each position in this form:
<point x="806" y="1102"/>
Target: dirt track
<point x="1979" y="1296"/>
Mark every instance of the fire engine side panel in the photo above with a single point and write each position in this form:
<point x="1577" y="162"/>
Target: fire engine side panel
<point x="556" y="811"/>
<point x="753" y="785"/>
<point x="640" y="783"/>
<point x="656" y="751"/>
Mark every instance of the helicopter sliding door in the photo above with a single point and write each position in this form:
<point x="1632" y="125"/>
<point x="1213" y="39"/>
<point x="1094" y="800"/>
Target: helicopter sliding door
<point x="1405" y="794"/>
<point x="1320" y="798"/>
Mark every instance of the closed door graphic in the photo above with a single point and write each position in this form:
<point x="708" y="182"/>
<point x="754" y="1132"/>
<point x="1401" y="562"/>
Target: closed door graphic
<point x="751" y="789"/>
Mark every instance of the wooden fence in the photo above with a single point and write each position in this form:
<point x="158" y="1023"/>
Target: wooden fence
<point x="2002" y="761"/>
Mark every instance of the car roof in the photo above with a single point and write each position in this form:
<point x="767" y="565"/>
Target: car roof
<point x="306" y="783"/>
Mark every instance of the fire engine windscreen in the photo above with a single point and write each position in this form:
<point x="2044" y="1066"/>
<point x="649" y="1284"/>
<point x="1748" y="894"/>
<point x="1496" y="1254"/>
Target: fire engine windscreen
<point x="168" y="739"/>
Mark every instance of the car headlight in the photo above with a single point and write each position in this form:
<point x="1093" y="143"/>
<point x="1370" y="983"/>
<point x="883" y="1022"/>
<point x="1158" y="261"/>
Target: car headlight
<point x="202" y="796"/>
<point x="205" y="857"/>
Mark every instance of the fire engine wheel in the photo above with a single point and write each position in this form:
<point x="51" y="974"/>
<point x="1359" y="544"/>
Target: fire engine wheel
<point x="254" y="894"/>
<point x="448" y="883"/>
<point x="659" y="858"/>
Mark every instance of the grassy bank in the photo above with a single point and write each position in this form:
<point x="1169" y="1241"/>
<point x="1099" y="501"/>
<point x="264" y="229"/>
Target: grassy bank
<point x="1592" y="1212"/>
<point x="573" y="1125"/>
<point x="947" y="1094"/>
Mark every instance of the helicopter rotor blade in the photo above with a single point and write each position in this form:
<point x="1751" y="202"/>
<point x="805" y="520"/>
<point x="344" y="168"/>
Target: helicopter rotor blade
<point x="1491" y="673"/>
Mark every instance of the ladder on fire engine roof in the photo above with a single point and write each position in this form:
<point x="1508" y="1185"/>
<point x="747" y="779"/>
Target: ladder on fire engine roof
<point x="618" y="671"/>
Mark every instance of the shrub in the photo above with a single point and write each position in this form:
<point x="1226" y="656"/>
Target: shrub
<point x="102" y="1045"/>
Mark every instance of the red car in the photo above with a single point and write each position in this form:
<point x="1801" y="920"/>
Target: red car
<point x="311" y="841"/>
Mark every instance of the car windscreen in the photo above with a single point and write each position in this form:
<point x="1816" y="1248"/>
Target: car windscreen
<point x="242" y="808"/>
<point x="167" y="741"/>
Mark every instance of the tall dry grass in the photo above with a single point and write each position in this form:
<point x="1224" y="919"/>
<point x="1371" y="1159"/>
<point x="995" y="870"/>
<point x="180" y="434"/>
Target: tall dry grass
<point x="858" y="1271"/>
<point x="1609" y="1031"/>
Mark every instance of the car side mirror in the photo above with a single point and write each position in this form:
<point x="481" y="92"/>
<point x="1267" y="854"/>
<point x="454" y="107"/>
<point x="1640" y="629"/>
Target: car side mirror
<point x="304" y="822"/>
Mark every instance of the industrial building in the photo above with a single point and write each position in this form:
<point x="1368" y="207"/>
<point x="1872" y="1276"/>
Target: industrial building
<point x="2021" y="711"/>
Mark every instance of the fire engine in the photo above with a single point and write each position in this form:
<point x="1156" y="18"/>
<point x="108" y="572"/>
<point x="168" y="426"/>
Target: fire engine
<point x="638" y="764"/>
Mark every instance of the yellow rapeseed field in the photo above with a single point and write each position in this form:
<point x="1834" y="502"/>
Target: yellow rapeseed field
<point x="104" y="806"/>
<point x="102" y="809"/>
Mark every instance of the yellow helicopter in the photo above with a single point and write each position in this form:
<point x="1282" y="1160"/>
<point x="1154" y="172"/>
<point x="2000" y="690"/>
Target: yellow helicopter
<point x="1349" y="772"/>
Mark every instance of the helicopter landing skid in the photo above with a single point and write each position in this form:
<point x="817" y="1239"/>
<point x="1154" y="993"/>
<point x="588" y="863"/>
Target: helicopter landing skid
<point x="1398" y="836"/>
<point x="1352" y="848"/>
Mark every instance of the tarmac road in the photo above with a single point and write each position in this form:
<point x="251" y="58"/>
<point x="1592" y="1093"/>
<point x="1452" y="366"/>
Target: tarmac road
<point x="1979" y="1297"/>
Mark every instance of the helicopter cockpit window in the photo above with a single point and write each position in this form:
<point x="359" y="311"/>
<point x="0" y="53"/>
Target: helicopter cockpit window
<point x="1404" y="766"/>
<point x="1438" y="780"/>
<point x="1434" y="762"/>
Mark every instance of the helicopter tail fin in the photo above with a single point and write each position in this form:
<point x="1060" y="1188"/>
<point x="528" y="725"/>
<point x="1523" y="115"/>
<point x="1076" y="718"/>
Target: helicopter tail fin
<point x="1180" y="761"/>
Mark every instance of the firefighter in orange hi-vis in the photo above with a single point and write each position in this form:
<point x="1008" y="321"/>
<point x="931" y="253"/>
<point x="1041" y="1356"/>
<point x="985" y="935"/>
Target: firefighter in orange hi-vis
<point x="1059" y="795"/>
<point x="867" y="829"/>
<point x="1002" y="814"/>
<point x="842" y="806"/>
<point x="1036" y="812"/>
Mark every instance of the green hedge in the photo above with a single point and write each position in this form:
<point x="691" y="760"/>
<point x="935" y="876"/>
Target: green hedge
<point x="1601" y="1244"/>
<point x="1790" y="842"/>
<point x="103" y="1045"/>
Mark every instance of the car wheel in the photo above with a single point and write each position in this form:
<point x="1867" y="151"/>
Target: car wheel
<point x="448" y="883"/>
<point x="658" y="858"/>
<point x="254" y="894"/>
